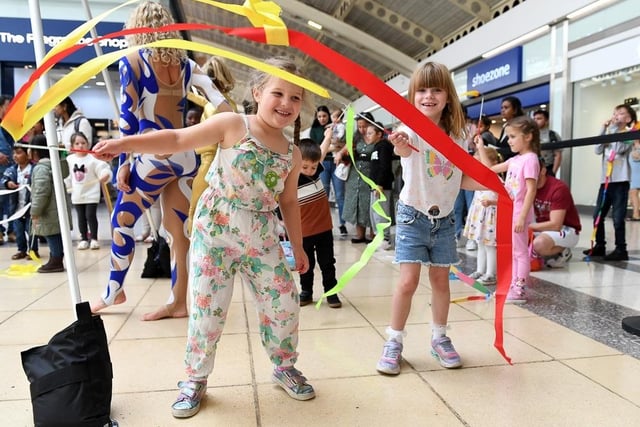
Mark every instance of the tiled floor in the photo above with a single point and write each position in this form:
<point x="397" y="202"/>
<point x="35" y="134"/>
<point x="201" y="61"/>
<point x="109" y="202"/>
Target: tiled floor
<point x="572" y="364"/>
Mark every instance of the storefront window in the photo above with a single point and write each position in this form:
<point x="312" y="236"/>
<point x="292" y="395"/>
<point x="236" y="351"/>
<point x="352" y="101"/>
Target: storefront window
<point x="593" y="104"/>
<point x="606" y="18"/>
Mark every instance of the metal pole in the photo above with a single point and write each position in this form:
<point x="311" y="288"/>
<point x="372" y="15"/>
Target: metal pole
<point x="105" y="72"/>
<point x="52" y="141"/>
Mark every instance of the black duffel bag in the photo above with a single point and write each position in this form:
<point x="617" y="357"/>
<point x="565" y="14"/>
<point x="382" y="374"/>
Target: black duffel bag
<point x="71" y="376"/>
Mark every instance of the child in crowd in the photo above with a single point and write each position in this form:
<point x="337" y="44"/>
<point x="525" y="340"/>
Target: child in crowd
<point x="425" y="229"/>
<point x="381" y="173"/>
<point x="17" y="176"/>
<point x="235" y="229"/>
<point x="521" y="183"/>
<point x="315" y="213"/>
<point x="85" y="178"/>
<point x="480" y="226"/>
<point x="45" y="219"/>
<point x="338" y="128"/>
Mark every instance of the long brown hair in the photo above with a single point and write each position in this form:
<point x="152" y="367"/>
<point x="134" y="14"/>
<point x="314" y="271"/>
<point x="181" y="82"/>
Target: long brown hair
<point x="433" y="74"/>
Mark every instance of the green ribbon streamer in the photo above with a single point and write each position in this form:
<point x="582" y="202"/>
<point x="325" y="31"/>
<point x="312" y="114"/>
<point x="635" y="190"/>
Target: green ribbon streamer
<point x="377" y="241"/>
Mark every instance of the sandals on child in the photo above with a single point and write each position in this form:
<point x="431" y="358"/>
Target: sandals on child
<point x="188" y="402"/>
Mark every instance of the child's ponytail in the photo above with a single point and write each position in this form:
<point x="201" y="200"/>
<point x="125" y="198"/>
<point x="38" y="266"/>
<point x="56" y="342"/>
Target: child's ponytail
<point x="296" y="131"/>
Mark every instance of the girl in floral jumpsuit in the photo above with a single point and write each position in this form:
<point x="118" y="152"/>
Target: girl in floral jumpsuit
<point x="235" y="230"/>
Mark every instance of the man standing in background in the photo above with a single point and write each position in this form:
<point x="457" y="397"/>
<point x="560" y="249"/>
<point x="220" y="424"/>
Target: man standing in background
<point x="552" y="158"/>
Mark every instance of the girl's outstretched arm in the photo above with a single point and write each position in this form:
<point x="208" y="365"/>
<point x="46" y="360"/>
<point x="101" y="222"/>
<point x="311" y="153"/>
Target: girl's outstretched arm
<point x="290" y="210"/>
<point x="217" y="129"/>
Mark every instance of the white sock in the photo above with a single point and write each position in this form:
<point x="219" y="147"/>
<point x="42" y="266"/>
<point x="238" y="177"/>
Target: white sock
<point x="438" y="331"/>
<point x="395" y="335"/>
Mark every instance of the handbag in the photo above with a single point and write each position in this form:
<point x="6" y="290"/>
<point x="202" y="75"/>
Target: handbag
<point x="158" y="262"/>
<point x="342" y="171"/>
<point x="71" y="376"/>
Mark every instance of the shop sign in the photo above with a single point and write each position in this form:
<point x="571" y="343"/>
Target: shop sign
<point x="16" y="39"/>
<point x="497" y="72"/>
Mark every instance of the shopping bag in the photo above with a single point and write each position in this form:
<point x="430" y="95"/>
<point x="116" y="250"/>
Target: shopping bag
<point x="342" y="171"/>
<point x="158" y="262"/>
<point x="71" y="376"/>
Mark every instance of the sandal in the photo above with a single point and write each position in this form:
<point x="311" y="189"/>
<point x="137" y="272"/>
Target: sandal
<point x="188" y="402"/>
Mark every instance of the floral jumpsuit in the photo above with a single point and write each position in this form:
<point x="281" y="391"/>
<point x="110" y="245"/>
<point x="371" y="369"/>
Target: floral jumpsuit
<point x="235" y="231"/>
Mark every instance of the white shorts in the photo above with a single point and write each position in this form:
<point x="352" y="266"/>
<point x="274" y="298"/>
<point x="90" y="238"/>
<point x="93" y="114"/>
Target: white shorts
<point x="567" y="237"/>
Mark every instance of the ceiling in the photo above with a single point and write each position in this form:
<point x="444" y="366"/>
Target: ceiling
<point x="388" y="37"/>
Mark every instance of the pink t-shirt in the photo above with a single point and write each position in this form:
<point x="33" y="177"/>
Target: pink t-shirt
<point x="521" y="168"/>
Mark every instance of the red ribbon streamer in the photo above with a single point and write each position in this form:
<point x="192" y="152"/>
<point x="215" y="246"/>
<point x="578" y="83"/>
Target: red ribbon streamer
<point x="391" y="101"/>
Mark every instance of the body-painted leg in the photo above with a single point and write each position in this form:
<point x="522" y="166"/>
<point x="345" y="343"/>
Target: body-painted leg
<point x="149" y="176"/>
<point x="175" y="206"/>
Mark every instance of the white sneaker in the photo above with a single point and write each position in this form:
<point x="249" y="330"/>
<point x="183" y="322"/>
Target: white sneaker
<point x="386" y="245"/>
<point x="471" y="245"/>
<point x="487" y="279"/>
<point x="94" y="244"/>
<point x="83" y="245"/>
<point x="560" y="260"/>
<point x="476" y="275"/>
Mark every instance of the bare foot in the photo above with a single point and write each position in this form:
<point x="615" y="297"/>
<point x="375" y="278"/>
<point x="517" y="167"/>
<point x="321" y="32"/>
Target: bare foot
<point x="100" y="304"/>
<point x="165" y="312"/>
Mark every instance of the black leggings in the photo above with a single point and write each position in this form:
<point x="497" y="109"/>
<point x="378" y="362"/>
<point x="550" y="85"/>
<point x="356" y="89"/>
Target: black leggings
<point x="87" y="215"/>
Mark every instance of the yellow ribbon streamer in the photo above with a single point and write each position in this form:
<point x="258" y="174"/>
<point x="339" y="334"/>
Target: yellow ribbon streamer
<point x="20" y="105"/>
<point x="373" y="246"/>
<point x="77" y="77"/>
<point x="261" y="14"/>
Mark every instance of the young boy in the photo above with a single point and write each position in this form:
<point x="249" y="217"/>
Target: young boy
<point x="315" y="214"/>
<point x="17" y="175"/>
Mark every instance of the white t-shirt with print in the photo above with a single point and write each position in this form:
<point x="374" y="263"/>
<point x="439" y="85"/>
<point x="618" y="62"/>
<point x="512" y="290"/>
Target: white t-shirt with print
<point x="430" y="179"/>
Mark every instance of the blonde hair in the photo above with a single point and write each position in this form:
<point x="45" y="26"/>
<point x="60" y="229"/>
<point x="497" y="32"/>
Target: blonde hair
<point x="493" y="155"/>
<point x="528" y="127"/>
<point x="217" y="69"/>
<point x="433" y="74"/>
<point x="154" y="15"/>
<point x="260" y="78"/>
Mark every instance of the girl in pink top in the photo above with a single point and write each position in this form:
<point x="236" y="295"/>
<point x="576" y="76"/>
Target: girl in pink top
<point x="521" y="180"/>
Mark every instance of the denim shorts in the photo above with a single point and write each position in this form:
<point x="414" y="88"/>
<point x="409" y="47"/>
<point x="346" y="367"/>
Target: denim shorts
<point x="423" y="240"/>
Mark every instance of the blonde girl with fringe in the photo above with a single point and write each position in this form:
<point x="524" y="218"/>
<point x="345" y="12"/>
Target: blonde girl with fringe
<point x="235" y="230"/>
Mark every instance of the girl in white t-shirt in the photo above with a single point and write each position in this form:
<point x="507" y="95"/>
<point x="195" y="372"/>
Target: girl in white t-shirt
<point x="86" y="174"/>
<point x="425" y="224"/>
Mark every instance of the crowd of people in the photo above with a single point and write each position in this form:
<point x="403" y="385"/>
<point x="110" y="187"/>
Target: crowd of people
<point x="219" y="175"/>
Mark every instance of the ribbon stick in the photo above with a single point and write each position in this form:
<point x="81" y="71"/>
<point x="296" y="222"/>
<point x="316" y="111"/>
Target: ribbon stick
<point x="469" y="298"/>
<point x="53" y="147"/>
<point x="471" y="282"/>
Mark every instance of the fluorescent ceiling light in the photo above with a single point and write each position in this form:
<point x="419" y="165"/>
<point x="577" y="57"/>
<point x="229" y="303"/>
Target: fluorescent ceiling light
<point x="588" y="9"/>
<point x="100" y="83"/>
<point x="314" y="24"/>
<point x="517" y="42"/>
